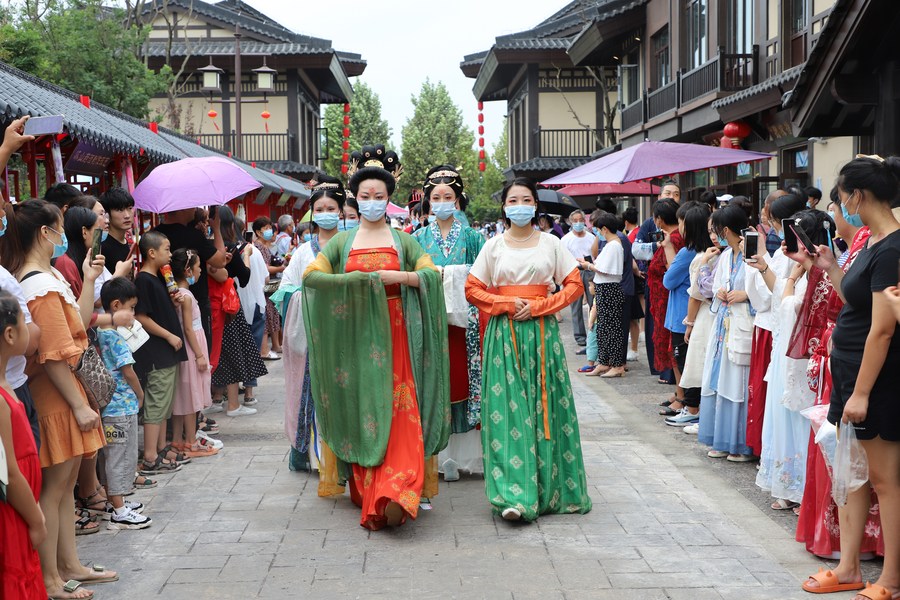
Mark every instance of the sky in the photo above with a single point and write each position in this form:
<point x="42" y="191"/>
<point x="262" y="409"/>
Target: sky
<point x="407" y="41"/>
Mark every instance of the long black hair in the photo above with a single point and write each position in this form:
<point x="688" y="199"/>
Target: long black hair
<point x="879" y="176"/>
<point x="226" y="225"/>
<point x="76" y="218"/>
<point x="695" y="217"/>
<point x="24" y="227"/>
<point x="732" y="217"/>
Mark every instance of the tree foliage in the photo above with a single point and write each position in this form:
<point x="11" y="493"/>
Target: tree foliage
<point x="482" y="204"/>
<point x="83" y="46"/>
<point x="367" y="126"/>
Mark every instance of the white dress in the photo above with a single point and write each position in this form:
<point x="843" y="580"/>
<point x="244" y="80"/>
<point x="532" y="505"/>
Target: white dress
<point x="692" y="377"/>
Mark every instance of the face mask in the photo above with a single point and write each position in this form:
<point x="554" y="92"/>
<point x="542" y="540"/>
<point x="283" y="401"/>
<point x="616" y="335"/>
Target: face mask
<point x="60" y="249"/>
<point x="326" y="221"/>
<point x="723" y="242"/>
<point x="348" y="224"/>
<point x="520" y="214"/>
<point x="268" y="234"/>
<point x="781" y="234"/>
<point x="372" y="210"/>
<point x="831" y="214"/>
<point x="443" y="210"/>
<point x="595" y="230"/>
<point x="146" y="225"/>
<point x="3" y="220"/>
<point x="191" y="280"/>
<point x="852" y="220"/>
<point x="103" y="235"/>
<point x="578" y="227"/>
<point x="307" y="237"/>
<point x="415" y="222"/>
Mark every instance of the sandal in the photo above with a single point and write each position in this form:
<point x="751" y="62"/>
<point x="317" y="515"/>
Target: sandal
<point x="85" y="524"/>
<point x="159" y="467"/>
<point x="829" y="583"/>
<point x="143" y="483"/>
<point x="71" y="587"/>
<point x="782" y="504"/>
<point x="874" y="591"/>
<point x="179" y="458"/>
<point x="199" y="450"/>
<point x="207" y="425"/>
<point x="102" y="577"/>
<point x="667" y="412"/>
<point x="90" y="506"/>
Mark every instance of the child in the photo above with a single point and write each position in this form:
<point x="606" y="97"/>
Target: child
<point x="22" y="526"/>
<point x="192" y="392"/>
<point x="120" y="416"/>
<point x="158" y="359"/>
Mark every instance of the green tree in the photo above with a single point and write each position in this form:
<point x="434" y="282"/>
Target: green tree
<point x="434" y="135"/>
<point x="83" y="46"/>
<point x="367" y="126"/>
<point x="482" y="204"/>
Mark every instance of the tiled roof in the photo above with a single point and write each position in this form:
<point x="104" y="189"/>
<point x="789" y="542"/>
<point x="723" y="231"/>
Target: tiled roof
<point x="104" y="127"/>
<point x="288" y="166"/>
<point x="548" y="164"/>
<point x="226" y="48"/>
<point x="532" y="44"/>
<point x="781" y="79"/>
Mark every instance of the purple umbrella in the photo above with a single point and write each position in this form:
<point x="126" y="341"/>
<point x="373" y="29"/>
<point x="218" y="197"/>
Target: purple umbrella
<point x="653" y="159"/>
<point x="191" y="183"/>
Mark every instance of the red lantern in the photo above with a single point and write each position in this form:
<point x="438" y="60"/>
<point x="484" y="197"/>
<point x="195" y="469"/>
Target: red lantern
<point x="265" y="114"/>
<point x="480" y="118"/>
<point x="345" y="145"/>
<point x="481" y="155"/>
<point x="344" y="169"/>
<point x="481" y="167"/>
<point x="481" y="130"/>
<point x="346" y="119"/>
<point x="481" y="106"/>
<point x="212" y="114"/>
<point x="481" y="142"/>
<point x="346" y="132"/>
<point x="346" y="107"/>
<point x="737" y="129"/>
<point x="345" y="157"/>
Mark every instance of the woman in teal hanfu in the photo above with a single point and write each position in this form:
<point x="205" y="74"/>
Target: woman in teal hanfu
<point x="533" y="463"/>
<point x="453" y="246"/>
<point x="375" y="318"/>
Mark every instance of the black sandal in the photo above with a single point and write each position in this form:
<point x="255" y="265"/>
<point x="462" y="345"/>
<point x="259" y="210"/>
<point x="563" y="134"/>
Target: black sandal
<point x="158" y="467"/>
<point x="667" y="412"/>
<point x="179" y="459"/>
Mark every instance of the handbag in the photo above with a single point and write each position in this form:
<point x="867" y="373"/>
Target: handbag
<point x="271" y="287"/>
<point x="231" y="303"/>
<point x="96" y="380"/>
<point x="135" y="336"/>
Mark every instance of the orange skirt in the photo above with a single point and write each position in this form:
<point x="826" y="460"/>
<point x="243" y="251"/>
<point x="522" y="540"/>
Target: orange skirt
<point x="401" y="476"/>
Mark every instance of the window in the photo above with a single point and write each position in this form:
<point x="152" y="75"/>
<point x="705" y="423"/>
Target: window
<point x="798" y="16"/>
<point x="695" y="17"/>
<point x="630" y="78"/>
<point x="739" y="31"/>
<point x="661" y="74"/>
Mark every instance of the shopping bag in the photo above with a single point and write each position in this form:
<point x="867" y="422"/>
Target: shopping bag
<point x="851" y="468"/>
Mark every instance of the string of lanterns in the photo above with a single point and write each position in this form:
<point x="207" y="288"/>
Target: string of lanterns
<point x="481" y="154"/>
<point x="345" y="145"/>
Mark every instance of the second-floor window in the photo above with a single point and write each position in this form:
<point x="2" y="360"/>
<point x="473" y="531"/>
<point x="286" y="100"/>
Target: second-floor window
<point x="661" y="59"/>
<point x="695" y="19"/>
<point x="739" y="29"/>
<point x="798" y="15"/>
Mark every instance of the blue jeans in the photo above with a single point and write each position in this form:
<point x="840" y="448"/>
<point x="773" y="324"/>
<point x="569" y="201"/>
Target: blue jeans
<point x="257" y="329"/>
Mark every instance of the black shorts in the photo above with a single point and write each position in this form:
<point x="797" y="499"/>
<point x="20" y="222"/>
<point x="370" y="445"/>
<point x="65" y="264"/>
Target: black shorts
<point x="883" y="417"/>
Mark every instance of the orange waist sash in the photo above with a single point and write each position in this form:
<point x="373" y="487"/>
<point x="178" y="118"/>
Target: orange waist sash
<point x="531" y="291"/>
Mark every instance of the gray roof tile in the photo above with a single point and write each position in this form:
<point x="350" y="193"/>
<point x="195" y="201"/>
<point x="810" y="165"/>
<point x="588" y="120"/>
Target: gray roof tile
<point x="782" y="78"/>
<point x="548" y="164"/>
<point x="226" y="47"/>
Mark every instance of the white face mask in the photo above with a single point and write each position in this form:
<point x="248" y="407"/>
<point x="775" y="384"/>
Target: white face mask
<point x="373" y="210"/>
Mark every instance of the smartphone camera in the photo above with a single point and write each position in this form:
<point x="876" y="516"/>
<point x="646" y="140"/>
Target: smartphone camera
<point x="658" y="236"/>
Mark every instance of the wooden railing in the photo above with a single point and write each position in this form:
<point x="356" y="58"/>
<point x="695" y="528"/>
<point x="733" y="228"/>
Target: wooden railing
<point x="662" y="100"/>
<point x="255" y="146"/>
<point x="566" y="143"/>
<point x="632" y="115"/>
<point x="700" y="81"/>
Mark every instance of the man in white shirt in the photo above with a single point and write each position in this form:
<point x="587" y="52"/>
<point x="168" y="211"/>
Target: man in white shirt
<point x="578" y="242"/>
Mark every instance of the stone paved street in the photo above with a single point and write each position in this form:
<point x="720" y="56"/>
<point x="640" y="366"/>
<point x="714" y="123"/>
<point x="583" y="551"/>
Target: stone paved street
<point x="665" y="524"/>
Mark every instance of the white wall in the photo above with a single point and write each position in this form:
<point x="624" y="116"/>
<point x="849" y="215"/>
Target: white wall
<point x="828" y="156"/>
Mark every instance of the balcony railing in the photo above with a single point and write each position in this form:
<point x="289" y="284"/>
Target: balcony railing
<point x="566" y="143"/>
<point x="259" y="147"/>
<point x="723" y="73"/>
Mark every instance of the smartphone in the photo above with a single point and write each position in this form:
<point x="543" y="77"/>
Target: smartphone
<point x="801" y="235"/>
<point x="751" y="245"/>
<point x="658" y="236"/>
<point x="44" y="125"/>
<point x="213" y="210"/>
<point x="248" y="237"/>
<point x="790" y="238"/>
<point x="588" y="258"/>
<point x="95" y="243"/>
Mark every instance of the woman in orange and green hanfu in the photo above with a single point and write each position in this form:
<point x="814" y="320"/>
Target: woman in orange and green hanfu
<point x="377" y="328"/>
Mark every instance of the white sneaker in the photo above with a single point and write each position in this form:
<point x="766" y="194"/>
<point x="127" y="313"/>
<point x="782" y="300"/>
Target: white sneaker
<point x="251" y="401"/>
<point x="241" y="411"/>
<point x="204" y="438"/>
<point x="451" y="470"/>
<point x="632" y="356"/>
<point x="511" y="514"/>
<point x="692" y="429"/>
<point x="128" y="519"/>
<point x="216" y="407"/>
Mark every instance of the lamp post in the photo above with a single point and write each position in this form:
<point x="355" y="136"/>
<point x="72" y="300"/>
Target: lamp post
<point x="265" y="83"/>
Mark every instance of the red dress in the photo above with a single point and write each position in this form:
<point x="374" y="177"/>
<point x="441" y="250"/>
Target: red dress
<point x="401" y="475"/>
<point x="20" y="566"/>
<point x="663" y="357"/>
<point x="760" y="357"/>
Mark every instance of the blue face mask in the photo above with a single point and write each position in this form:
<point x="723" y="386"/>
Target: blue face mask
<point x="268" y="234"/>
<point x="853" y="220"/>
<point x="831" y="214"/>
<point x="191" y="280"/>
<point x="372" y="210"/>
<point x="326" y="221"/>
<point x="723" y="243"/>
<point x="103" y="235"/>
<point x="577" y="227"/>
<point x="60" y="248"/>
<point x="348" y="224"/>
<point x="415" y="222"/>
<point x="3" y="220"/>
<point x="520" y="214"/>
<point x="781" y="234"/>
<point x="307" y="237"/>
<point x="443" y="210"/>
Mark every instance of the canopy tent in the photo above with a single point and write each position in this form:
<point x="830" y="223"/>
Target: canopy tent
<point x="635" y="188"/>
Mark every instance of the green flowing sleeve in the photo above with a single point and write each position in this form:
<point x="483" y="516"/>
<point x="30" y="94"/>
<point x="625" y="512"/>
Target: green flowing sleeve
<point x="352" y="383"/>
<point x="426" y="325"/>
<point x="474" y="244"/>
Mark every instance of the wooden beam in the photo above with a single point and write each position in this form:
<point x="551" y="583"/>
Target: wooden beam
<point x="851" y="90"/>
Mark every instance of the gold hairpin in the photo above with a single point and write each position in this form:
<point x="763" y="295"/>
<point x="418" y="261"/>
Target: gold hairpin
<point x="445" y="173"/>
<point x="872" y="156"/>
<point x="373" y="162"/>
<point x="325" y="186"/>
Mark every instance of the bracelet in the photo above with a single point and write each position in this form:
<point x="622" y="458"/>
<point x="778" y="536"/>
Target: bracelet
<point x="688" y="323"/>
<point x="764" y="271"/>
<point x="792" y="279"/>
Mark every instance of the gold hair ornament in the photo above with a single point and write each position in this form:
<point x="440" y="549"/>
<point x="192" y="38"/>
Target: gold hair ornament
<point x="872" y="156"/>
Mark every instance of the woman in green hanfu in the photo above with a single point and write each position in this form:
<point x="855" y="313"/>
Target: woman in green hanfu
<point x="374" y="312"/>
<point x="453" y="246"/>
<point x="533" y="463"/>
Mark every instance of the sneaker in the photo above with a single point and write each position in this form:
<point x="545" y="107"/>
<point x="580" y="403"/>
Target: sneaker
<point x="204" y="438"/>
<point x="216" y="407"/>
<point x="128" y="519"/>
<point x="451" y="470"/>
<point x="251" y="401"/>
<point x="632" y="356"/>
<point x="740" y="458"/>
<point x="717" y="454"/>
<point x="241" y="411"/>
<point x="692" y="429"/>
<point x="110" y="510"/>
<point x="683" y="418"/>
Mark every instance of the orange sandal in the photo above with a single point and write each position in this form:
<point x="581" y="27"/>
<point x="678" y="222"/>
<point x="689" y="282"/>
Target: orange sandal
<point x="874" y="591"/>
<point x="196" y="450"/>
<point x="829" y="584"/>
